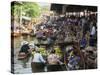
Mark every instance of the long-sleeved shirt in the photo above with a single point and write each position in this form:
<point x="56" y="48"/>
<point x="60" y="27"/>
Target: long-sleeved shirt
<point x="38" y="58"/>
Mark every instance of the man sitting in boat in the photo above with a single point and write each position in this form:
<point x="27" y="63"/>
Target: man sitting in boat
<point x="38" y="62"/>
<point x="25" y="47"/>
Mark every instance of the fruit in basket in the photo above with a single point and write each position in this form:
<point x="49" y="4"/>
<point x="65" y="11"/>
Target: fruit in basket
<point x="58" y="51"/>
<point x="43" y="51"/>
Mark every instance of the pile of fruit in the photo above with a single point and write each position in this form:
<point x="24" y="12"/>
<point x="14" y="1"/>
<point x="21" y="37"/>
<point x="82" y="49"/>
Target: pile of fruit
<point x="58" y="51"/>
<point x="43" y="51"/>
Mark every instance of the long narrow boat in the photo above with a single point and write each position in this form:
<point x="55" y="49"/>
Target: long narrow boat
<point x="15" y="34"/>
<point x="22" y="55"/>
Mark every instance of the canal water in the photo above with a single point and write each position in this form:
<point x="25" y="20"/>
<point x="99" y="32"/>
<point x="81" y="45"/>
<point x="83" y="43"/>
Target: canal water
<point x="21" y="66"/>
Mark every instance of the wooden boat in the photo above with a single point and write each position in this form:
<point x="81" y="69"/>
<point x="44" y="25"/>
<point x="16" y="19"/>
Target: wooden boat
<point x="15" y="34"/>
<point x="37" y="67"/>
<point x="22" y="55"/>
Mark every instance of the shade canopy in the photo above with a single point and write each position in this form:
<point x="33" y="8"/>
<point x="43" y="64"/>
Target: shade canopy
<point x="72" y="8"/>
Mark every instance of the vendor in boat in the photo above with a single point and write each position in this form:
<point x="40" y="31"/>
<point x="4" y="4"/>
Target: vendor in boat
<point x="25" y="47"/>
<point x="38" y="62"/>
<point x="38" y="58"/>
<point x="54" y="63"/>
<point x="53" y="58"/>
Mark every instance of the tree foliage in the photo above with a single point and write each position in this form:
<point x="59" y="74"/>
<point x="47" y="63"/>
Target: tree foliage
<point x="29" y="8"/>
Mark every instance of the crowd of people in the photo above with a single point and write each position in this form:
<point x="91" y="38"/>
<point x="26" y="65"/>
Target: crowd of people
<point x="61" y="31"/>
<point x="64" y="29"/>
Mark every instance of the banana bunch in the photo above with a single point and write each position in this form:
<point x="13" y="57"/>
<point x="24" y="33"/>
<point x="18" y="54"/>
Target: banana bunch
<point x="58" y="51"/>
<point x="43" y="51"/>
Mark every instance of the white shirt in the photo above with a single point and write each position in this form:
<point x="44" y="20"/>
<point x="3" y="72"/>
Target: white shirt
<point x="38" y="58"/>
<point x="93" y="31"/>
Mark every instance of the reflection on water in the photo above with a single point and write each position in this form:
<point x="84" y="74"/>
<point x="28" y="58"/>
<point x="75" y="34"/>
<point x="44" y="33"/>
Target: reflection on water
<point x="21" y="66"/>
<point x="18" y="40"/>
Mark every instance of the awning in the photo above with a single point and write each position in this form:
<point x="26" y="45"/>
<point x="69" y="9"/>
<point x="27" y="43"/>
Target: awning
<point x="72" y="8"/>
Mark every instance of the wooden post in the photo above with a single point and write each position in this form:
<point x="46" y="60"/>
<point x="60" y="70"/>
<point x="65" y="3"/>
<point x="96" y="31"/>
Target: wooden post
<point x="80" y="53"/>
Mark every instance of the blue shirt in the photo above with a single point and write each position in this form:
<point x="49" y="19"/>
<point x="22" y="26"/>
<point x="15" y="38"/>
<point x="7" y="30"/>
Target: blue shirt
<point x="38" y="58"/>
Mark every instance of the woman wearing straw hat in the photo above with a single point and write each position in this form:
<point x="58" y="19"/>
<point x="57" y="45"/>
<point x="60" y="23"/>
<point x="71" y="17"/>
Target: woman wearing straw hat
<point x="25" y="47"/>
